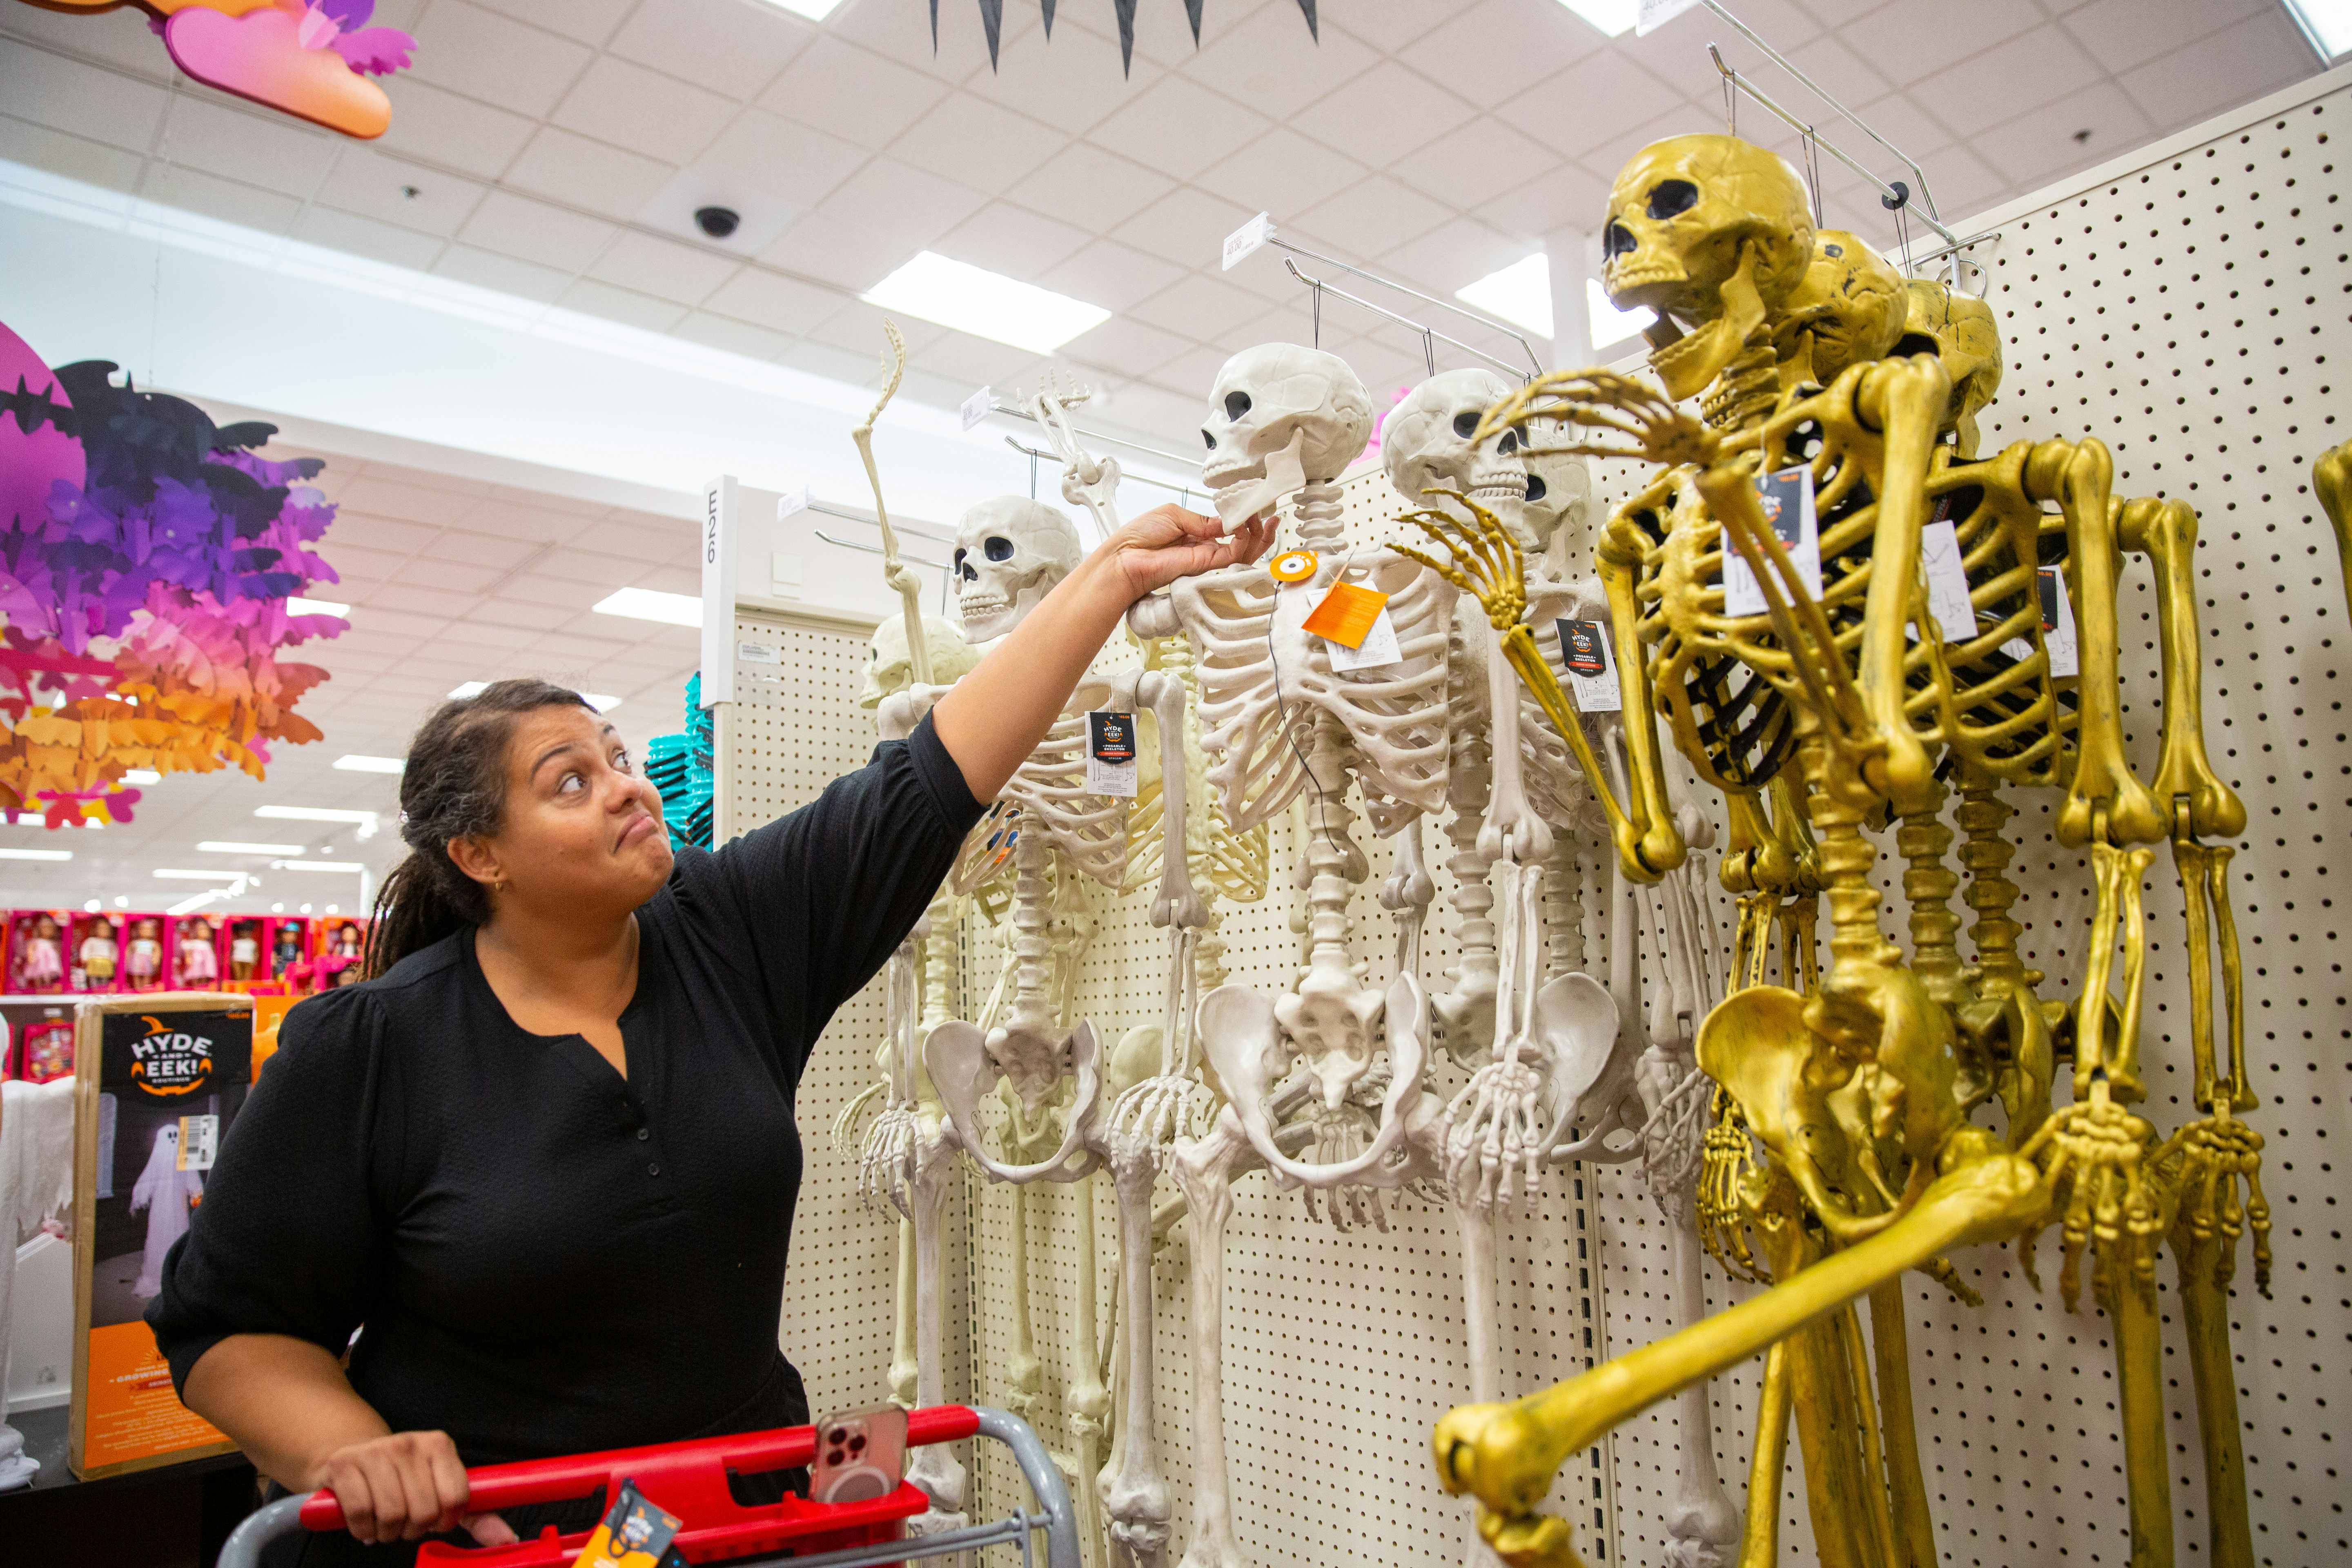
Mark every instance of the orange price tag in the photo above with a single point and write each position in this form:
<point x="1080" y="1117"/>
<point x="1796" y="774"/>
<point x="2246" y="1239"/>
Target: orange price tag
<point x="1291" y="566"/>
<point x="1346" y="614"/>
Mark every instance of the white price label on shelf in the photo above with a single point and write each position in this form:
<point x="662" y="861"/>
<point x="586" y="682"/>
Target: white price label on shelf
<point x="1591" y="666"/>
<point x="1245" y="241"/>
<point x="1788" y="498"/>
<point x="759" y="653"/>
<point x="978" y="407"/>
<point x="791" y="503"/>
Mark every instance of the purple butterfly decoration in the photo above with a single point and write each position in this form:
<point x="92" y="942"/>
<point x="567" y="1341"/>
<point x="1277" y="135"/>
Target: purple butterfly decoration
<point x="343" y="25"/>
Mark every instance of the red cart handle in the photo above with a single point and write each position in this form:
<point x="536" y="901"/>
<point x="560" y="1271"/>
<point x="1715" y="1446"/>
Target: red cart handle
<point x="493" y="1487"/>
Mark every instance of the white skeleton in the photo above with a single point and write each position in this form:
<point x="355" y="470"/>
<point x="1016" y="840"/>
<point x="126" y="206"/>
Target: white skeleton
<point x="1280" y="722"/>
<point x="1009" y="554"/>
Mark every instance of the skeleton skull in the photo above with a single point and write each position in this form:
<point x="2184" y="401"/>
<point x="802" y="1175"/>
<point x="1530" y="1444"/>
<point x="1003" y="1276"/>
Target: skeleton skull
<point x="889" y="669"/>
<point x="1847" y="309"/>
<point x="1280" y="416"/>
<point x="1426" y="444"/>
<point x="1960" y="329"/>
<point x="1009" y="554"/>
<point x="1558" y="511"/>
<point x="1713" y="232"/>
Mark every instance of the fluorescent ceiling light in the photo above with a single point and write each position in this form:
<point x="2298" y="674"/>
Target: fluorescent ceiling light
<point x="40" y="819"/>
<point x="346" y="866"/>
<point x="814" y="10"/>
<point x="597" y="700"/>
<point x="299" y="606"/>
<point x="175" y="874"/>
<point x="195" y="901"/>
<point x="1613" y="17"/>
<point x="985" y="304"/>
<point x="233" y="846"/>
<point x="356" y="763"/>
<point x="468" y="689"/>
<point x="651" y="604"/>
<point x="316" y="814"/>
<point x="1519" y="293"/>
<point x="1610" y="324"/>
<point x="35" y="854"/>
<point x="600" y="702"/>
<point x="2326" y="23"/>
<point x="142" y="776"/>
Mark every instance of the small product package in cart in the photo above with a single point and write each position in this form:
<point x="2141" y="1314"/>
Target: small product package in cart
<point x="633" y="1534"/>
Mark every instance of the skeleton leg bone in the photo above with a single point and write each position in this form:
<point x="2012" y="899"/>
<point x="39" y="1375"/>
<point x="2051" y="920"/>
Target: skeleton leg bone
<point x="1136" y="1497"/>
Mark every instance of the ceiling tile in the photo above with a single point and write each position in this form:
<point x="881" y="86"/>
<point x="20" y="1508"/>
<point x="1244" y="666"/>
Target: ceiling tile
<point x="1899" y="118"/>
<point x="1569" y="197"/>
<point x="67" y="95"/>
<point x="663" y="267"/>
<point x="976" y="362"/>
<point x="432" y="570"/>
<point x="1615" y="155"/>
<point x="534" y="603"/>
<point x="1374" y="215"/>
<point x="2259" y="55"/>
<point x="1012" y="240"/>
<point x="537" y="232"/>
<point x="1476" y="163"/>
<point x="1269" y="61"/>
<point x="488" y="270"/>
<point x="495" y="59"/>
<point x="1890" y="37"/>
<point x="1112" y="275"/>
<point x="880" y="216"/>
<point x="366" y="236"/>
<point x="1609" y="95"/>
<point x="1849" y="76"/>
<point x="1459" y="251"/>
<point x="1184" y="226"/>
<point x="625" y="305"/>
<point x="732" y="336"/>
<point x="1160" y="40"/>
<point x="629" y="106"/>
<point x="1498" y="48"/>
<point x="772" y="301"/>
<point x="1281" y="172"/>
<point x="2041" y="143"/>
<point x="976" y="143"/>
<point x="1384" y="114"/>
<point x="590" y="21"/>
<point x="772" y="158"/>
<point x="1677" y="55"/>
<point x="260" y="148"/>
<point x="119" y="38"/>
<point x="1200" y="306"/>
<point x="355" y="564"/>
<point x="479" y="549"/>
<point x="193" y="191"/>
<point x="395" y="512"/>
<point x="446" y="128"/>
<point x="857" y="327"/>
<point x="1127" y="346"/>
<point x="587" y="174"/>
<point x="1072" y="83"/>
<point x="1084" y="186"/>
<point x="2121" y="33"/>
<point x="1389" y="25"/>
<point x="1178" y="128"/>
<point x="735" y="49"/>
<point x="1192" y="374"/>
<point x="77" y="157"/>
<point x="378" y="185"/>
<point x="2030" y="71"/>
<point x="852" y="92"/>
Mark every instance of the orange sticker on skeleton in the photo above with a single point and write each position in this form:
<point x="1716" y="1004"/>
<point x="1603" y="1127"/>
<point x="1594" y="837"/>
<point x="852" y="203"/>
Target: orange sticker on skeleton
<point x="1346" y="614"/>
<point x="1293" y="566"/>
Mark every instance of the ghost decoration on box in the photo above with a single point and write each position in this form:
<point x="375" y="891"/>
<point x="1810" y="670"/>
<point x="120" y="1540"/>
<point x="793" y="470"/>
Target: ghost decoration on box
<point x="166" y="1193"/>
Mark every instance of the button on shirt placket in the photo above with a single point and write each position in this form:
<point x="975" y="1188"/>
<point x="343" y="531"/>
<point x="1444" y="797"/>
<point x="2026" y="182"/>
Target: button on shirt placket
<point x="641" y="1132"/>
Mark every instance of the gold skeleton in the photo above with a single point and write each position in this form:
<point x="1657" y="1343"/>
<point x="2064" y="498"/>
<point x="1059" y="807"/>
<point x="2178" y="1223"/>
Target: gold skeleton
<point x="1858" y="1083"/>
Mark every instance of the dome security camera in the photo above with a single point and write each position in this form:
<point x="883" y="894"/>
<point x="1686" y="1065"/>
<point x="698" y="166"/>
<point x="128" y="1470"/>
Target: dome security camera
<point x="716" y="222"/>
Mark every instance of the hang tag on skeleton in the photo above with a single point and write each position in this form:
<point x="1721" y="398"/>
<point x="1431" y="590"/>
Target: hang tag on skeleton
<point x="1788" y="498"/>
<point x="1948" y="577"/>
<point x="199" y="1141"/>
<point x="1354" y="620"/>
<point x="2057" y="626"/>
<point x="1110" y="753"/>
<point x="1591" y="666"/>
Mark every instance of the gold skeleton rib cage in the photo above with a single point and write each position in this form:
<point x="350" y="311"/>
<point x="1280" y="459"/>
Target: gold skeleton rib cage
<point x="1843" y="1143"/>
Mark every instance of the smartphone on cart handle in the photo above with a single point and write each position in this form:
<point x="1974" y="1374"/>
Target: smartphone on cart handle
<point x="859" y="1457"/>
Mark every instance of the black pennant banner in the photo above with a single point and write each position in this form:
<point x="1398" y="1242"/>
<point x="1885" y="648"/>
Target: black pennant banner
<point x="992" y="21"/>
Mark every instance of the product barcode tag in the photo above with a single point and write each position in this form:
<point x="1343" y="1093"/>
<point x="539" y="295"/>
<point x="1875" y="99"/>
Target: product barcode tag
<point x="1377" y="651"/>
<point x="2057" y="626"/>
<point x="1246" y="241"/>
<point x="1947" y="578"/>
<point x="1591" y="666"/>
<point x="1788" y="498"/>
<point x="1110" y="753"/>
<point x="199" y="1139"/>
<point x="978" y="407"/>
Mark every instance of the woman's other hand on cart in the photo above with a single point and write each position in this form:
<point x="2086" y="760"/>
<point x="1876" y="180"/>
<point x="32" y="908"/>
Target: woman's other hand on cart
<point x="405" y="1485"/>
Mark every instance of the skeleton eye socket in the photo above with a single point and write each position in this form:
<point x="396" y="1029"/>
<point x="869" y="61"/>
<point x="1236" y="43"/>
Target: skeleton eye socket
<point x="1670" y="198"/>
<point x="1237" y="405"/>
<point x="1617" y="240"/>
<point x="1537" y="488"/>
<point x="999" y="548"/>
<point x="1509" y="443"/>
<point x="1465" y="424"/>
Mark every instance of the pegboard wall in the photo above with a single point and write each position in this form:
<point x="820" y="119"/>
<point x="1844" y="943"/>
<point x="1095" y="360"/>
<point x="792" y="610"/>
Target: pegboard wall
<point x="2184" y="309"/>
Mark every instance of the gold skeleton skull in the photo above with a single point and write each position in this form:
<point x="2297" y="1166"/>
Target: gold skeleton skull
<point x="1857" y="1083"/>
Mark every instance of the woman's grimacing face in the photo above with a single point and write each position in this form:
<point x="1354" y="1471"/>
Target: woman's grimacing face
<point x="582" y="829"/>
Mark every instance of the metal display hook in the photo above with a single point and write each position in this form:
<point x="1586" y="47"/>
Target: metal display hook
<point x="1035" y="455"/>
<point x="1535" y="360"/>
<point x="1428" y="335"/>
<point x="998" y="405"/>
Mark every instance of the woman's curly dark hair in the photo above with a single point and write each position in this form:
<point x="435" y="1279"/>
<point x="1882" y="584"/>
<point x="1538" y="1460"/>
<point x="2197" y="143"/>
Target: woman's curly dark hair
<point x="453" y="786"/>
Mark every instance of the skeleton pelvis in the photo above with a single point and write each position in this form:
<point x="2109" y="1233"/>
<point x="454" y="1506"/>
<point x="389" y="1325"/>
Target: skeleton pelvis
<point x="1334" y="1022"/>
<point x="1037" y="1062"/>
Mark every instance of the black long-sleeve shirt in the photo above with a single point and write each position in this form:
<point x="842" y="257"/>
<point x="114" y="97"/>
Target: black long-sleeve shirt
<point x="539" y="1257"/>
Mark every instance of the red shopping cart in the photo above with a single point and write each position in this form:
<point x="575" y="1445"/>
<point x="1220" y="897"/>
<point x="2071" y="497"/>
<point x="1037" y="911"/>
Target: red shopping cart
<point x="689" y="1479"/>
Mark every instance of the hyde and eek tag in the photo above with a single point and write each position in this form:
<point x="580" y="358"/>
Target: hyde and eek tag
<point x="1110" y="753"/>
<point x="2057" y="626"/>
<point x="1787" y="500"/>
<point x="1354" y="620"/>
<point x="633" y="1534"/>
<point x="1948" y="577"/>
<point x="1592" y="667"/>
